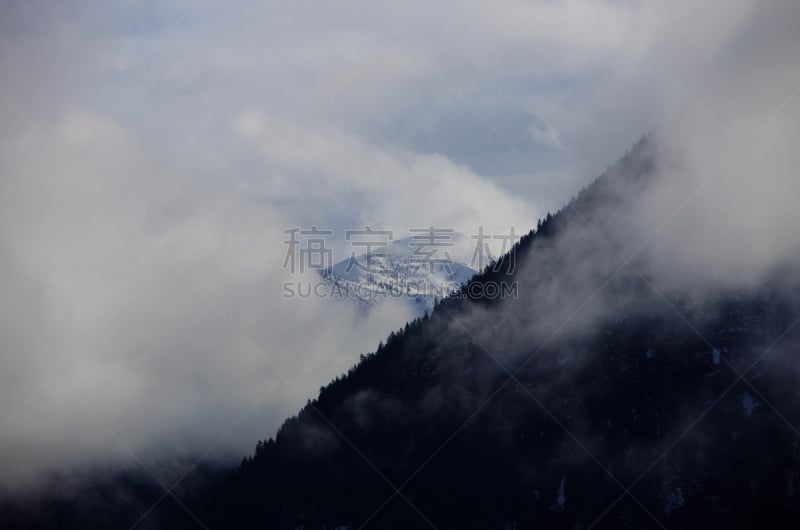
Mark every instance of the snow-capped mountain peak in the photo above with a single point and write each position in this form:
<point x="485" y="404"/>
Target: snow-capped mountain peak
<point x="413" y="268"/>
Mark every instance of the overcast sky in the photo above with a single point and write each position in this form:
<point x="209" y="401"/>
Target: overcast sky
<point x="152" y="154"/>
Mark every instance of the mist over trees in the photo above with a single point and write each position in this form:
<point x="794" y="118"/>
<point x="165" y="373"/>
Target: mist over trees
<point x="497" y="414"/>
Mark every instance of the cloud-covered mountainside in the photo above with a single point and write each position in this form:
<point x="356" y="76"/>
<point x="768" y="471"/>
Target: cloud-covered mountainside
<point x="611" y="392"/>
<point x="608" y="394"/>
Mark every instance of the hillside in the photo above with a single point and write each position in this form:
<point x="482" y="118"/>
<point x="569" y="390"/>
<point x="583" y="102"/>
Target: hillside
<point x="596" y="395"/>
<point x="542" y="410"/>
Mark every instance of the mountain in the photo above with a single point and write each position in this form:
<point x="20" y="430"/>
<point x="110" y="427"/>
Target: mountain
<point x="590" y="399"/>
<point x="595" y="395"/>
<point x="400" y="270"/>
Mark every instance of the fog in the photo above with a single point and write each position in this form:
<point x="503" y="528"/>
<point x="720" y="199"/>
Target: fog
<point x="152" y="156"/>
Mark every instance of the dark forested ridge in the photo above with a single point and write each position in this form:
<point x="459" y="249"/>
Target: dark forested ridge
<point x="541" y="411"/>
<point x="615" y="385"/>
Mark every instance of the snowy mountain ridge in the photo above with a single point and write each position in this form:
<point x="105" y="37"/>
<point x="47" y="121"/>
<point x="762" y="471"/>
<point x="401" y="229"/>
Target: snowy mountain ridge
<point x="409" y="269"/>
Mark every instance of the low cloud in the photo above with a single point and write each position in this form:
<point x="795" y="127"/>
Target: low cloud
<point x="147" y="178"/>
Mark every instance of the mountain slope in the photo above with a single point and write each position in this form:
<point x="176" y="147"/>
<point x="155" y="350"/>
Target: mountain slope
<point x="541" y="410"/>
